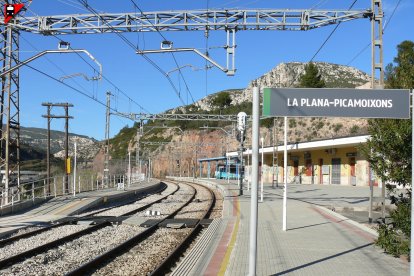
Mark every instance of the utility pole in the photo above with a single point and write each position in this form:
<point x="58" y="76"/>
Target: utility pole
<point x="106" y="148"/>
<point x="49" y="116"/>
<point x="67" y="163"/>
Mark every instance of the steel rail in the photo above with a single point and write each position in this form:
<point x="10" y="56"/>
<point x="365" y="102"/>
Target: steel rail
<point x="111" y="254"/>
<point x="31" y="233"/>
<point x="130" y="213"/>
<point x="74" y="220"/>
<point x="169" y="261"/>
<point x="40" y="249"/>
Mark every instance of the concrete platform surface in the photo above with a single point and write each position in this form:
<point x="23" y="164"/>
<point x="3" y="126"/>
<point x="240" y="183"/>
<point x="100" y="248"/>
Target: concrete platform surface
<point x="317" y="242"/>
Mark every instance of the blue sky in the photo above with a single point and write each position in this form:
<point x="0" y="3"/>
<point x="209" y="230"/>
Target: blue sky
<point x="257" y="53"/>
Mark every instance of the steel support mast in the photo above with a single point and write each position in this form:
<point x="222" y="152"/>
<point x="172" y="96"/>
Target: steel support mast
<point x="9" y="106"/>
<point x="106" y="148"/>
<point x="140" y="132"/>
<point x="377" y="45"/>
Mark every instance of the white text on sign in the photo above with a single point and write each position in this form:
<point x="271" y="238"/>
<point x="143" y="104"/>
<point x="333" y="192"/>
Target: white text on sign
<point x="313" y="102"/>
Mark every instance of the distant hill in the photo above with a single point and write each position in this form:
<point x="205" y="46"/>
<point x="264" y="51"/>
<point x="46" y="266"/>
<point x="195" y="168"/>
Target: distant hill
<point x="34" y="143"/>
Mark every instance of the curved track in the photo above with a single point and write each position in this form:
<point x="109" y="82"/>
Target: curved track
<point x="107" y="246"/>
<point x="19" y="247"/>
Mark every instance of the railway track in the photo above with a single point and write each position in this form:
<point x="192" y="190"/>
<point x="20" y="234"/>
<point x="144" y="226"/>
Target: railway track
<point x="105" y="247"/>
<point x="155" y="249"/>
<point x="34" y="230"/>
<point x="19" y="247"/>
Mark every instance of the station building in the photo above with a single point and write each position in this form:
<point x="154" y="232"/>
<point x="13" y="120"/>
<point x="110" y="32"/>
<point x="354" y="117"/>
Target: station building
<point x="336" y="161"/>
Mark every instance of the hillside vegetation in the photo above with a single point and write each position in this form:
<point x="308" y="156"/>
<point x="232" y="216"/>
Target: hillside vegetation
<point x="232" y="101"/>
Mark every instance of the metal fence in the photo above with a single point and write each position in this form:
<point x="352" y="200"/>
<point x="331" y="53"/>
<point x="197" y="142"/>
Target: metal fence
<point x="44" y="189"/>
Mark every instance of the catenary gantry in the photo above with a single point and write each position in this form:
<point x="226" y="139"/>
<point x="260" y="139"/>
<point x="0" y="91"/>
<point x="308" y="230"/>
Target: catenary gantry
<point x="177" y="117"/>
<point x="197" y="20"/>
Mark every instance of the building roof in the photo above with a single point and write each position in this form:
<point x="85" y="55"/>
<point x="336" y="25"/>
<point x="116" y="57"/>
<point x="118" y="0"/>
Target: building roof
<point x="212" y="159"/>
<point x="312" y="145"/>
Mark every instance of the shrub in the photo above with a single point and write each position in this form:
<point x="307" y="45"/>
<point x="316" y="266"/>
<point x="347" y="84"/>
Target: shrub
<point x="319" y="125"/>
<point x="354" y="129"/>
<point x="337" y="127"/>
<point x="292" y="123"/>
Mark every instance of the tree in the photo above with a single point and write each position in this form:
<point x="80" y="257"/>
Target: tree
<point x="401" y="74"/>
<point x="222" y="100"/>
<point x="311" y="78"/>
<point x="389" y="152"/>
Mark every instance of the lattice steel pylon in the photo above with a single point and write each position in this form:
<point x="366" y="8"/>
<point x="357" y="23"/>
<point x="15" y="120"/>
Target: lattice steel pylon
<point x="10" y="106"/>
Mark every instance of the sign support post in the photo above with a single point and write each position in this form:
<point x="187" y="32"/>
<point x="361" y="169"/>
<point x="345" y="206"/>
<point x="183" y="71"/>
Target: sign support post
<point x="412" y="185"/>
<point x="261" y="172"/>
<point x="255" y="180"/>
<point x="285" y="178"/>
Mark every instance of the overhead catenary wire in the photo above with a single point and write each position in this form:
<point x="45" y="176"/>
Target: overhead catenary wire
<point x="383" y="31"/>
<point x="130" y="44"/>
<point x="323" y="44"/>
<point x="391" y="16"/>
<point x="330" y="35"/>
<point x="93" y="68"/>
<point x="54" y="64"/>
<point x="319" y="4"/>
<point x="173" y="55"/>
<point x="72" y="4"/>
<point x="68" y="85"/>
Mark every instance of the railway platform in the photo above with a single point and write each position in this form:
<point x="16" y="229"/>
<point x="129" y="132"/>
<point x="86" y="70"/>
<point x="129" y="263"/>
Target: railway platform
<point x="60" y="207"/>
<point x="318" y="241"/>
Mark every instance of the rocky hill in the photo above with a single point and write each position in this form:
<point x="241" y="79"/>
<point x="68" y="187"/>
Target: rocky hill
<point x="287" y="75"/>
<point x="235" y="100"/>
<point x="36" y="138"/>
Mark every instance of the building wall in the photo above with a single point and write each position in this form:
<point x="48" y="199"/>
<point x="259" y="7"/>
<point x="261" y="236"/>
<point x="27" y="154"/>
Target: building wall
<point x="311" y="171"/>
